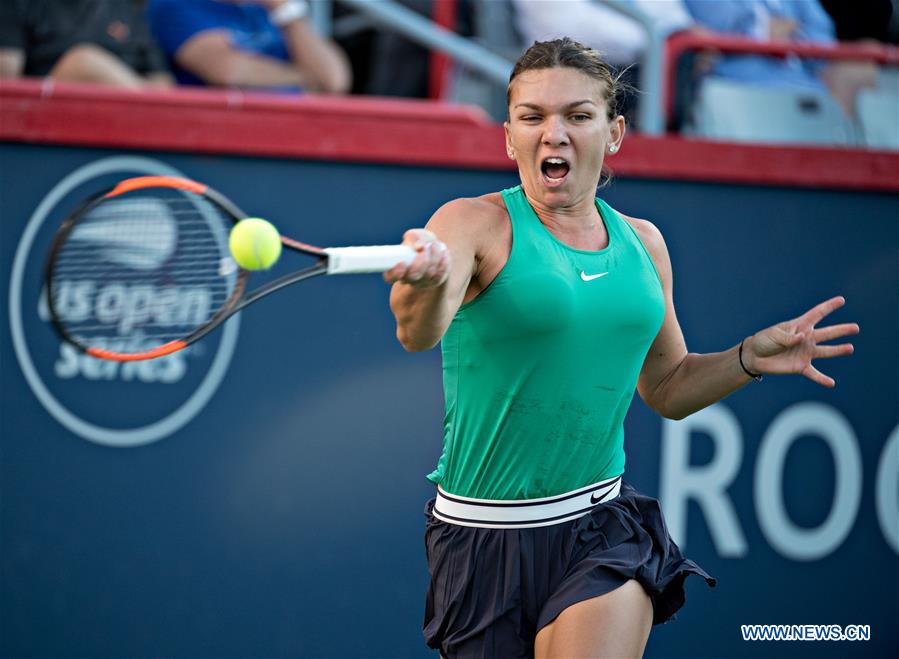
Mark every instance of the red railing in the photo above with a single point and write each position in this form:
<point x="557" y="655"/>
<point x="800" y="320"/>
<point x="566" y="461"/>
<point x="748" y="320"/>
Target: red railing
<point x="682" y="42"/>
<point x="387" y="131"/>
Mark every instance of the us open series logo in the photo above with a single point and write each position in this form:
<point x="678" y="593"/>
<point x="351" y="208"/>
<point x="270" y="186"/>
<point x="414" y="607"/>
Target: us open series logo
<point x="110" y="403"/>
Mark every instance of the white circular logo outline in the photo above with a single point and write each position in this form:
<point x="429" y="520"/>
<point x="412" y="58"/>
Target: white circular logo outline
<point x="128" y="437"/>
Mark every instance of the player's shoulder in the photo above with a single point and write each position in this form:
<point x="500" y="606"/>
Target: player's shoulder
<point x="486" y="206"/>
<point x="648" y="232"/>
<point x="654" y="243"/>
<point x="484" y="212"/>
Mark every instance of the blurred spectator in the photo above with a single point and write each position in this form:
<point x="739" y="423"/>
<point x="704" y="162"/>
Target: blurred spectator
<point x="621" y="39"/>
<point x="251" y="43"/>
<point x="783" y="20"/>
<point x="356" y="42"/>
<point x="99" y="41"/>
<point x="400" y="66"/>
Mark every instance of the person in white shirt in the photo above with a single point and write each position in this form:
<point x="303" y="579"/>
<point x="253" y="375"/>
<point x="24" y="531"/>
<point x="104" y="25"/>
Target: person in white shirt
<point x="620" y="38"/>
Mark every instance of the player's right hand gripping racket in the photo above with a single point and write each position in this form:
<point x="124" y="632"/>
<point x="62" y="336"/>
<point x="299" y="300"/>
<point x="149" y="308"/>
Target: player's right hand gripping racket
<point x="143" y="270"/>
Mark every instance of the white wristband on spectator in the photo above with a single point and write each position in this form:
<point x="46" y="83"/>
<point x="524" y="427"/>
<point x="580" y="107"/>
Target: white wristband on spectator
<point x="292" y="10"/>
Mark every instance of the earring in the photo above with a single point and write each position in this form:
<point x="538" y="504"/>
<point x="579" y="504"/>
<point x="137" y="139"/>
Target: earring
<point x="613" y="149"/>
<point x="511" y="154"/>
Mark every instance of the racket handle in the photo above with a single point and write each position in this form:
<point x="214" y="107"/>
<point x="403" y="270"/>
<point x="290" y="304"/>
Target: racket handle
<point x="376" y="258"/>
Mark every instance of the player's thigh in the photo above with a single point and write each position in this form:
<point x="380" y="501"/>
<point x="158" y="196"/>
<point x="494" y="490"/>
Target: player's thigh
<point x="616" y="624"/>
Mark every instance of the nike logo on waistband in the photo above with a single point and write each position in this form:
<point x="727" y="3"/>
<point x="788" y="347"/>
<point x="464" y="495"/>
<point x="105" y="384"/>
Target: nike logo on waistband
<point x="587" y="277"/>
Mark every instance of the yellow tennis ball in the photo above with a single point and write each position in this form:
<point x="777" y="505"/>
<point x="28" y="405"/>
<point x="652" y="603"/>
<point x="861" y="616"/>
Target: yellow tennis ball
<point x="255" y="244"/>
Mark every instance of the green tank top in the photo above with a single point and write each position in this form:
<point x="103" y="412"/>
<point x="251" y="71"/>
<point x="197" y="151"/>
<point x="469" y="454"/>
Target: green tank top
<point x="539" y="370"/>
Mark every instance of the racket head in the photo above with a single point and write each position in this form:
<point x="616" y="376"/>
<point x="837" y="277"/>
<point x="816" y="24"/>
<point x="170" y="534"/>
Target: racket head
<point x="143" y="269"/>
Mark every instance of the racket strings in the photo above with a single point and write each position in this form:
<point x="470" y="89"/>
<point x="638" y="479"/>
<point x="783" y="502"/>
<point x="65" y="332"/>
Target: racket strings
<point x="142" y="269"/>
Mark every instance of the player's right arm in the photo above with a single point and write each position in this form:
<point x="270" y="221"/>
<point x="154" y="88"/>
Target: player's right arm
<point x="427" y="292"/>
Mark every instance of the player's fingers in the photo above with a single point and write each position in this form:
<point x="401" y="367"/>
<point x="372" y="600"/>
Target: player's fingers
<point x="418" y="238"/>
<point x="835" y="332"/>
<point x="440" y="249"/>
<point x="841" y="350"/>
<point x="819" y="311"/>
<point x="815" y="375"/>
<point x="419" y="267"/>
<point x="430" y="264"/>
<point x="438" y="265"/>
<point x="410" y="238"/>
<point x="395" y="273"/>
<point x="398" y="270"/>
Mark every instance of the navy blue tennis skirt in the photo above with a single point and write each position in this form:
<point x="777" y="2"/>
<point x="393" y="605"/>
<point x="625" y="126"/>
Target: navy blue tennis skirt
<point x="492" y="590"/>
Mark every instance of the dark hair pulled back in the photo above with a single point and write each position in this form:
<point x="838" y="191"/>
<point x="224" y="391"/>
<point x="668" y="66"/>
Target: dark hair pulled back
<point x="567" y="52"/>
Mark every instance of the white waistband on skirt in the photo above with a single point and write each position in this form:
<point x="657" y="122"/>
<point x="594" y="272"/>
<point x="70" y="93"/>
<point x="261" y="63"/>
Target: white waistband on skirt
<point x="523" y="513"/>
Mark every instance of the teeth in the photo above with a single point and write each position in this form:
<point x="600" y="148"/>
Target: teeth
<point x="555" y="161"/>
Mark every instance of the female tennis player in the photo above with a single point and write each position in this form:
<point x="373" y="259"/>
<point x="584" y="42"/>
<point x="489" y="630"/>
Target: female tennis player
<point x="552" y="308"/>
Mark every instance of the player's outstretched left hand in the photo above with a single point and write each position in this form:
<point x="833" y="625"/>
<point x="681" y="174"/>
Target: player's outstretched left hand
<point x="790" y="347"/>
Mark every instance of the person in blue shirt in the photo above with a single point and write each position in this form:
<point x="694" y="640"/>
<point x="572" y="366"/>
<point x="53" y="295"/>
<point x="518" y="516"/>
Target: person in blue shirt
<point x="264" y="44"/>
<point x="783" y="20"/>
<point x="767" y="20"/>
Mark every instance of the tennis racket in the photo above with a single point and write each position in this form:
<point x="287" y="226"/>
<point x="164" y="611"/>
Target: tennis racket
<point x="144" y="270"/>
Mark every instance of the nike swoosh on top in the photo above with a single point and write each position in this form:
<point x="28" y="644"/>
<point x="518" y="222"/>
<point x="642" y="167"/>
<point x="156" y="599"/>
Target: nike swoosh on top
<point x="587" y="277"/>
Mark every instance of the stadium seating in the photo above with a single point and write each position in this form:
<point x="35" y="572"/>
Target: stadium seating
<point x="878" y="112"/>
<point x="727" y="110"/>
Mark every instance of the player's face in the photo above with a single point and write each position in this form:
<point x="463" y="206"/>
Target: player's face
<point x="558" y="132"/>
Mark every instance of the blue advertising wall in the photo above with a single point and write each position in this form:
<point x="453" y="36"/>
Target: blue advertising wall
<point x="264" y="496"/>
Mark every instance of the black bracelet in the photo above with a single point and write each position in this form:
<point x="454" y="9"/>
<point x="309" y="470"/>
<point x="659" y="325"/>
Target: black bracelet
<point x="755" y="376"/>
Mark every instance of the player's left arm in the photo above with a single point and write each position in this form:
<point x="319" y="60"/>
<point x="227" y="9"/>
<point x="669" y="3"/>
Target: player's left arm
<point x="676" y="383"/>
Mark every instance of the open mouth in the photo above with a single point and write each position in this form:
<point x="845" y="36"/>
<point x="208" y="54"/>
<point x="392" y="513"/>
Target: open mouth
<point x="554" y="170"/>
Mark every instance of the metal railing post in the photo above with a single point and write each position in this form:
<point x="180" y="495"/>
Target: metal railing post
<point x="321" y="16"/>
<point x="650" y="109"/>
<point x="394" y="16"/>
